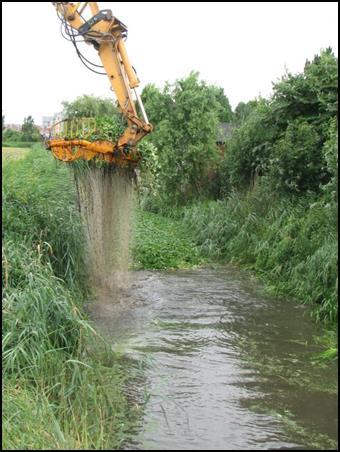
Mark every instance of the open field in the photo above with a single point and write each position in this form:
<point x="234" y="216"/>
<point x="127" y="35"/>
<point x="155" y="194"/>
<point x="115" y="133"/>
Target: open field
<point x="13" y="153"/>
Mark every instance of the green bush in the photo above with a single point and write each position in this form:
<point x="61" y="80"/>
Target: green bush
<point x="284" y="138"/>
<point x="12" y="136"/>
<point x="186" y="116"/>
<point x="297" y="163"/>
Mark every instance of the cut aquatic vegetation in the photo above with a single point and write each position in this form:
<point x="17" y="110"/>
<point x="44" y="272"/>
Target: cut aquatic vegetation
<point x="108" y="128"/>
<point x="94" y="129"/>
<point x="97" y="119"/>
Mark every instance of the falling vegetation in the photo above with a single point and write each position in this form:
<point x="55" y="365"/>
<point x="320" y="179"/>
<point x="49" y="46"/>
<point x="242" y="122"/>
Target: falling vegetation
<point x="105" y="196"/>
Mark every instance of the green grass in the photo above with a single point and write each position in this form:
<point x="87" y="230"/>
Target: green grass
<point x="13" y="153"/>
<point x="18" y="144"/>
<point x="63" y="387"/>
<point x="163" y="243"/>
<point x="28" y="423"/>
<point x="290" y="243"/>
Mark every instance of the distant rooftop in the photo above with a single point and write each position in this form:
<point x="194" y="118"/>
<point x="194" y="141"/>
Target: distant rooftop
<point x="47" y="121"/>
<point x="223" y="132"/>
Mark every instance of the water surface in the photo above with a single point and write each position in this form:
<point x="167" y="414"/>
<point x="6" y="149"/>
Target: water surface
<point x="226" y="367"/>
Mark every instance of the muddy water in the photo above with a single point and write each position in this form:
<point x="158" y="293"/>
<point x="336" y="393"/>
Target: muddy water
<point x="225" y="367"/>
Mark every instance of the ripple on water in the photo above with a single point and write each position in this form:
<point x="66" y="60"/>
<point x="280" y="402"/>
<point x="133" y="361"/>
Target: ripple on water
<point x="224" y="364"/>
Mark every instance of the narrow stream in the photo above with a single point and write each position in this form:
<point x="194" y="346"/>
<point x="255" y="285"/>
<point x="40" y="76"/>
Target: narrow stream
<point x="226" y="367"/>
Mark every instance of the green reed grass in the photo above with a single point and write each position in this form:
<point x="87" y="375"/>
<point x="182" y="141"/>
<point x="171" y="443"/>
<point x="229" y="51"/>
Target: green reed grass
<point x="290" y="243"/>
<point x="63" y="387"/>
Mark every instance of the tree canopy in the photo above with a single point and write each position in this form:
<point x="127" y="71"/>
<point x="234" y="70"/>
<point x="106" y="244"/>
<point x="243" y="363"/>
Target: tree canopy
<point x="88" y="106"/>
<point x="285" y="137"/>
<point x="186" y="115"/>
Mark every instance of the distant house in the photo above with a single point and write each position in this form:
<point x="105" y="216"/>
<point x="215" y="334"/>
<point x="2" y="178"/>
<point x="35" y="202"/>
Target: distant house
<point x="223" y="133"/>
<point x="47" y="121"/>
<point x="57" y="117"/>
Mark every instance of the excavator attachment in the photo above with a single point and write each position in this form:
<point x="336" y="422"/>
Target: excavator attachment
<point x="71" y="140"/>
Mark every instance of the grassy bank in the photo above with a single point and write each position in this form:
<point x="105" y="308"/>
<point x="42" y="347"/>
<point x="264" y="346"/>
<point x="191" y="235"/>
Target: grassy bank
<point x="19" y="144"/>
<point x="63" y="388"/>
<point x="290" y="243"/>
<point x="13" y="153"/>
<point x="162" y="243"/>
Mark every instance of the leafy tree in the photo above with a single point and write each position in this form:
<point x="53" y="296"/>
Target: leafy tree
<point x="243" y="110"/>
<point x="297" y="162"/>
<point x="285" y="137"/>
<point x="186" y="115"/>
<point x="3" y="122"/>
<point x="330" y="152"/>
<point x="225" y="113"/>
<point x="89" y="106"/>
<point x="29" y="131"/>
<point x="322" y="73"/>
<point x="157" y="104"/>
<point x="311" y="95"/>
<point x="248" y="149"/>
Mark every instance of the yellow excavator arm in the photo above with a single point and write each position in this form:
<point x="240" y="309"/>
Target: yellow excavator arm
<point x="107" y="34"/>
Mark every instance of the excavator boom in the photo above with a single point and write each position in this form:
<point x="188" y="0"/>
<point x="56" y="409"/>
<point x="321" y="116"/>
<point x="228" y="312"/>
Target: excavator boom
<point x="106" y="34"/>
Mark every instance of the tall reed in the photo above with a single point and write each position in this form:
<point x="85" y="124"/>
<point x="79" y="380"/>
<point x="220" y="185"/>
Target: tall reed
<point x="63" y="386"/>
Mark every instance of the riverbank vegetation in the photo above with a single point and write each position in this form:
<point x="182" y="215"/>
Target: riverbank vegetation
<point x="23" y="138"/>
<point x="63" y="387"/>
<point x="266" y="199"/>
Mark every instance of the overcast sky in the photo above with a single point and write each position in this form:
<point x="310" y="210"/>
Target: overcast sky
<point x="241" y="46"/>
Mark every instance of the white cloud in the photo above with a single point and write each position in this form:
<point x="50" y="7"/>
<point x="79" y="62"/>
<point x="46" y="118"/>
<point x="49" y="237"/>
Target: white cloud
<point x="241" y="46"/>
